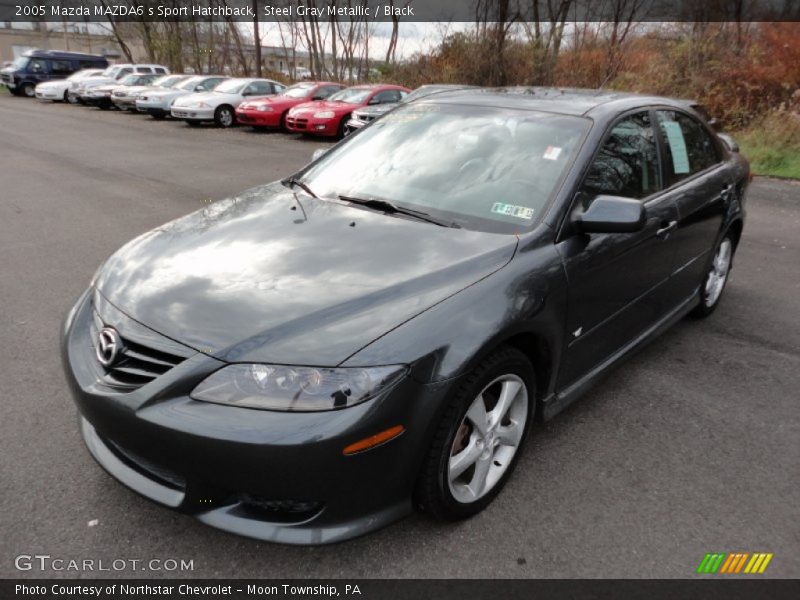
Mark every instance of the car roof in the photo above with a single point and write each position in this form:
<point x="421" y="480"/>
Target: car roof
<point x="62" y="54"/>
<point x="568" y="101"/>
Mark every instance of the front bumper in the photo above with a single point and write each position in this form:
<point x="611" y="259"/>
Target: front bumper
<point x="124" y="102"/>
<point x="258" y="118"/>
<point x="192" y="114"/>
<point x="275" y="476"/>
<point x="152" y="107"/>
<point x="49" y="95"/>
<point x="312" y="126"/>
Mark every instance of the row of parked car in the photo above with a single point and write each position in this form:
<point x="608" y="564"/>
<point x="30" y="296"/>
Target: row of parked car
<point x="322" y="108"/>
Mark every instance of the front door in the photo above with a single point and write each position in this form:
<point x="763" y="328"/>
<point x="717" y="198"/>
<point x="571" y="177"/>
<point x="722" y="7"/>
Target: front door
<point x="617" y="280"/>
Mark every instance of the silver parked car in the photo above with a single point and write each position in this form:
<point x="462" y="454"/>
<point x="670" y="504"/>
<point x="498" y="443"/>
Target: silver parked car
<point x="220" y="104"/>
<point x="157" y="103"/>
<point x="124" y="96"/>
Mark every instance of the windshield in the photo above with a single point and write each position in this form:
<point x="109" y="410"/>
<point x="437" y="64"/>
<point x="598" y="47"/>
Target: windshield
<point x="110" y="71"/>
<point x="232" y="86"/>
<point x="482" y="168"/>
<point x="190" y="84"/>
<point x="167" y="81"/>
<point x="20" y="62"/>
<point x="425" y="90"/>
<point x="129" y="79"/>
<point x="351" y="95"/>
<point x="299" y="90"/>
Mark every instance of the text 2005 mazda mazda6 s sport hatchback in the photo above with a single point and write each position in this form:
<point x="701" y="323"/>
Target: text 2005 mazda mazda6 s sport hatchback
<point x="310" y="360"/>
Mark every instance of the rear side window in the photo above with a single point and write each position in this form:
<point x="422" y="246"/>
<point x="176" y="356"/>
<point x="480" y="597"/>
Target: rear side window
<point x="688" y="148"/>
<point x="627" y="163"/>
<point x="161" y="70"/>
<point x="210" y="84"/>
<point x="144" y="70"/>
<point x="386" y="97"/>
<point x="61" y="67"/>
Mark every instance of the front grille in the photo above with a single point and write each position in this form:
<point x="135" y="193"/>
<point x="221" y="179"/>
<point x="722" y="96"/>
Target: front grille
<point x="136" y="363"/>
<point x="119" y="93"/>
<point x="6" y="78"/>
<point x="297" y="123"/>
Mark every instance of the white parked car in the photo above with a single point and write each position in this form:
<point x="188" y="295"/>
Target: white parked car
<point x="112" y="74"/>
<point x="124" y="96"/>
<point x="100" y="95"/>
<point x="57" y="89"/>
<point x="220" y="104"/>
<point x="157" y="103"/>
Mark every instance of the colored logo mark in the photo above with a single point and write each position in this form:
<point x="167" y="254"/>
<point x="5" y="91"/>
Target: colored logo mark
<point x="735" y="562"/>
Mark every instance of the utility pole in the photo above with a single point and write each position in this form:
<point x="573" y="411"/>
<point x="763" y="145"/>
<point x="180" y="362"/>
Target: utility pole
<point x="258" y="38"/>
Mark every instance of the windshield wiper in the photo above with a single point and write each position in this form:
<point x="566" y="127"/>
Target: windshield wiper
<point x="294" y="181"/>
<point x="388" y="207"/>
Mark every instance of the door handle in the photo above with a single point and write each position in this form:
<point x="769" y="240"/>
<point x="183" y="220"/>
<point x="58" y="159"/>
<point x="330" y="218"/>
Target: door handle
<point x="666" y="228"/>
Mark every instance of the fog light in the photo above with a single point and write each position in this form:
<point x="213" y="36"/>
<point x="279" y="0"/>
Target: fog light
<point x="319" y="127"/>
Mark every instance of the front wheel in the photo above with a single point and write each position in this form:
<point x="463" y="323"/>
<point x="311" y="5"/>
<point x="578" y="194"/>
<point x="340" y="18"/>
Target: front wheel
<point x="28" y="90"/>
<point x="478" y="440"/>
<point x="716" y="277"/>
<point x="224" y="116"/>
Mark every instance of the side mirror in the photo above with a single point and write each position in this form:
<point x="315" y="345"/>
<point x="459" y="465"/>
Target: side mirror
<point x="612" y="214"/>
<point x="729" y="142"/>
<point x="318" y="153"/>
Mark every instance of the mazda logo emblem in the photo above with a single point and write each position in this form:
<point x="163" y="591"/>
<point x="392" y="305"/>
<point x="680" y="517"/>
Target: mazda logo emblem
<point x="108" y="346"/>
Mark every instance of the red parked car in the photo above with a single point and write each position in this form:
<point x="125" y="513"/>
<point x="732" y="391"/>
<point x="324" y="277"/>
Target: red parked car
<point x="271" y="111"/>
<point x="328" y="117"/>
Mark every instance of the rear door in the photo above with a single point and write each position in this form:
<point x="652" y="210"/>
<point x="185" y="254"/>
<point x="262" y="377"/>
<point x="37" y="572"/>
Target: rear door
<point x="696" y="178"/>
<point x="617" y="281"/>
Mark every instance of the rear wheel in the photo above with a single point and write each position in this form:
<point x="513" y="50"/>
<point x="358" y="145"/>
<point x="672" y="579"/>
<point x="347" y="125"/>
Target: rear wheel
<point x="224" y="116"/>
<point x="477" y="444"/>
<point x="282" y="124"/>
<point x="716" y="277"/>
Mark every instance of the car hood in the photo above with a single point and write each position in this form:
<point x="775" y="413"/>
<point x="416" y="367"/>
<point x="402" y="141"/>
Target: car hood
<point x="90" y="81"/>
<point x="377" y="110"/>
<point x="210" y="98"/>
<point x="132" y="89"/>
<point x="319" y="105"/>
<point x="276" y="277"/>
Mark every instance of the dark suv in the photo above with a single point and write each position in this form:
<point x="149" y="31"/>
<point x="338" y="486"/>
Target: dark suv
<point x="37" y="65"/>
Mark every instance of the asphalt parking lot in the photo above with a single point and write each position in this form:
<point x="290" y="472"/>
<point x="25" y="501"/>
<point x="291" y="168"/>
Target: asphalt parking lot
<point x="691" y="447"/>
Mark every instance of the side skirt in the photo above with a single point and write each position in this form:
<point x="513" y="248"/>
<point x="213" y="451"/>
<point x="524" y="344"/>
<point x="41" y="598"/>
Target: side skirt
<point x="560" y="400"/>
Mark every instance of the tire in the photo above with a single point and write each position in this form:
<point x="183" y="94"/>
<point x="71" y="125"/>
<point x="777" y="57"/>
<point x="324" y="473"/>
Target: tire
<point x="342" y="125"/>
<point x="72" y="99"/>
<point x="451" y="489"/>
<point x="282" y="124"/>
<point x="28" y="90"/>
<point x="224" y="116"/>
<point x="716" y="276"/>
<point x="65" y="99"/>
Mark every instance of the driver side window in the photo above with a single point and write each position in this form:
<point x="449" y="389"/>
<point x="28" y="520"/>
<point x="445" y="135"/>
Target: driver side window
<point x="627" y="163"/>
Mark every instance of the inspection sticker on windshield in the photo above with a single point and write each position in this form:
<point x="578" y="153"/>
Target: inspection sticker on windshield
<point x="552" y="153"/>
<point x="512" y="210"/>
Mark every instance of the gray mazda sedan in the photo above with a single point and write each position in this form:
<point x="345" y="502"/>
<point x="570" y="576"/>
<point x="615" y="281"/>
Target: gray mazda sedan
<point x="314" y="358"/>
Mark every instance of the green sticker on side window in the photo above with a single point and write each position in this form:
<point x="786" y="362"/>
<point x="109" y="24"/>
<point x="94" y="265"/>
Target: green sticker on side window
<point x="512" y="210"/>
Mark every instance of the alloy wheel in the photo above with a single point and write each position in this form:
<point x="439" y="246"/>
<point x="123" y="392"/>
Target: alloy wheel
<point x="720" y="267"/>
<point x="488" y="438"/>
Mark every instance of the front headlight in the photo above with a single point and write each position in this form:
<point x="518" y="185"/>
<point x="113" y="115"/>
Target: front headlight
<point x="264" y="108"/>
<point x="296" y="389"/>
<point x="325" y="114"/>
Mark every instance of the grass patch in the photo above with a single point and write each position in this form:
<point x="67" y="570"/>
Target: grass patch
<point x="772" y="145"/>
